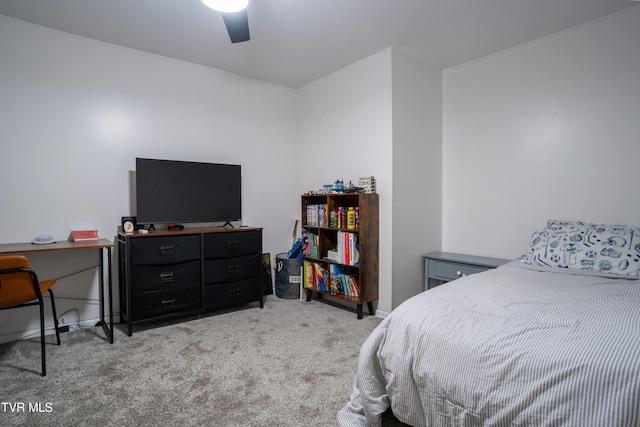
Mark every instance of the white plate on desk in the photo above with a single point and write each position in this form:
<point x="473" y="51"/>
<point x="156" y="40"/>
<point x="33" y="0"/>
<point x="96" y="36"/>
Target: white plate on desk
<point x="43" y="240"/>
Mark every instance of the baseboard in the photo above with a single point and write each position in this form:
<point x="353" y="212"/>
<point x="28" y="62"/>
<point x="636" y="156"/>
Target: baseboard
<point x="48" y="330"/>
<point x="381" y="313"/>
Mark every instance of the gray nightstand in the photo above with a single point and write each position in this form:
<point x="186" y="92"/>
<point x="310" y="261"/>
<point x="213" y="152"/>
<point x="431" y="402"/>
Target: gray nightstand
<point x="441" y="267"/>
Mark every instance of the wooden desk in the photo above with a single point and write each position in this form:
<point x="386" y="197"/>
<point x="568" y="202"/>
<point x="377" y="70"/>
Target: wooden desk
<point x="102" y="245"/>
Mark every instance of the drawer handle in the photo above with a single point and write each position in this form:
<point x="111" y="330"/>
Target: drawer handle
<point x="234" y="293"/>
<point x="460" y="273"/>
<point x="232" y="244"/>
<point x="233" y="268"/>
<point x="166" y="277"/>
<point x="166" y="250"/>
<point x="168" y="303"/>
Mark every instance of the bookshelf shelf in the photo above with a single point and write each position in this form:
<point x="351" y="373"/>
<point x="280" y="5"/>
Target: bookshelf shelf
<point x="352" y="273"/>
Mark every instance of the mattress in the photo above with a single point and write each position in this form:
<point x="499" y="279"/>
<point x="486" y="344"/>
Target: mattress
<point x="516" y="346"/>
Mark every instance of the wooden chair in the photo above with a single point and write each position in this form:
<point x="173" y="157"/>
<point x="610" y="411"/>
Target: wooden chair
<point x="19" y="287"/>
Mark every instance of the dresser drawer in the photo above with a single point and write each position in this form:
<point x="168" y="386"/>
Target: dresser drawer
<point x="451" y="271"/>
<point x="232" y="269"/>
<point x="146" y="278"/>
<point x="165" y="249"/>
<point x="231" y="293"/>
<point x="233" y="244"/>
<point x="148" y="305"/>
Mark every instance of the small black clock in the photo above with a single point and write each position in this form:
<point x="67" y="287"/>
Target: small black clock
<point x="129" y="224"/>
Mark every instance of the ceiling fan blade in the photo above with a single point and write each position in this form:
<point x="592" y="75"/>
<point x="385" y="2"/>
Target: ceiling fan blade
<point x="237" y="25"/>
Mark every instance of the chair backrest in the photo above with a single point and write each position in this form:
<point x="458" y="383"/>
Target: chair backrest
<point x="18" y="284"/>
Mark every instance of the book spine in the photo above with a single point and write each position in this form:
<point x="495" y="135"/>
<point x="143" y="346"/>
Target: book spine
<point x="325" y="215"/>
<point x="345" y="280"/>
<point x="347" y="253"/>
<point x="355" y="288"/>
<point x="309" y="275"/>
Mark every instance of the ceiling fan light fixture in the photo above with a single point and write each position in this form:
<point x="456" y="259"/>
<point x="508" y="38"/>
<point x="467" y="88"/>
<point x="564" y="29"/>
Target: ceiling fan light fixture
<point x="227" y="6"/>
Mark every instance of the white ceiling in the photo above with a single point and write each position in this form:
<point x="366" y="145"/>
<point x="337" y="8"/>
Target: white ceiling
<point x="294" y="42"/>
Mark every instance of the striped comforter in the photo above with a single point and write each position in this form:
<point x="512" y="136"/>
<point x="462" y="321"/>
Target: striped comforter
<point x="515" y="346"/>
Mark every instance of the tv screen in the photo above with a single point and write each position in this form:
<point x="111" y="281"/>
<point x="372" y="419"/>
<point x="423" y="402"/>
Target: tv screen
<point x="169" y="191"/>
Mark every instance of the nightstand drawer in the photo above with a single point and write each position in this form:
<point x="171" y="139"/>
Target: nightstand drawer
<point x="440" y="267"/>
<point x="451" y="271"/>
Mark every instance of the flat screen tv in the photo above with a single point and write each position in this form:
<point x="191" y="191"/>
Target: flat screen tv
<point x="170" y="191"/>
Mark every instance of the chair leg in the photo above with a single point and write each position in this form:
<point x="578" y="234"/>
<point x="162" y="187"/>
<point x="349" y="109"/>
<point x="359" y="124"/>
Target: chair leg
<point x="55" y="315"/>
<point x="42" y="349"/>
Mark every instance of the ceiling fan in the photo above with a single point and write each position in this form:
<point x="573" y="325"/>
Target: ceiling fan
<point x="234" y="14"/>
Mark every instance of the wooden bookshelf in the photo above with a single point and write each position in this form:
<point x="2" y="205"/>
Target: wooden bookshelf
<point x="324" y="236"/>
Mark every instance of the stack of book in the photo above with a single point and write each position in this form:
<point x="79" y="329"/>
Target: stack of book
<point x="343" y="284"/>
<point x="332" y="280"/>
<point x="317" y="215"/>
<point x="310" y="244"/>
<point x="348" y="248"/>
<point x="315" y="276"/>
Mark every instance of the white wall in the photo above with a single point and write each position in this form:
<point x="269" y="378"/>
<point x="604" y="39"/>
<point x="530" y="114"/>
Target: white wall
<point x="417" y="172"/>
<point x="345" y="132"/>
<point x="549" y="129"/>
<point x="74" y="115"/>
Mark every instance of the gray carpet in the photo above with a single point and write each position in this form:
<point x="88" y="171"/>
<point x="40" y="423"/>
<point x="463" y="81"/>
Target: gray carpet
<point x="289" y="364"/>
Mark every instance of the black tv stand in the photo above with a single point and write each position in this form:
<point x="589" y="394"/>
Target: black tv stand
<point x="228" y="223"/>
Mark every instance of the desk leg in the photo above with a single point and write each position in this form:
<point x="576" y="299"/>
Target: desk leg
<point x="108" y="330"/>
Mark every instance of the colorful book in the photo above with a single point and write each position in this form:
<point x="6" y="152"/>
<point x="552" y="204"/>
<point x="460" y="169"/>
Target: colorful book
<point x="309" y="275"/>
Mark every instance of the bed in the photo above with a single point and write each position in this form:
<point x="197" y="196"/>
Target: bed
<point x="549" y="340"/>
